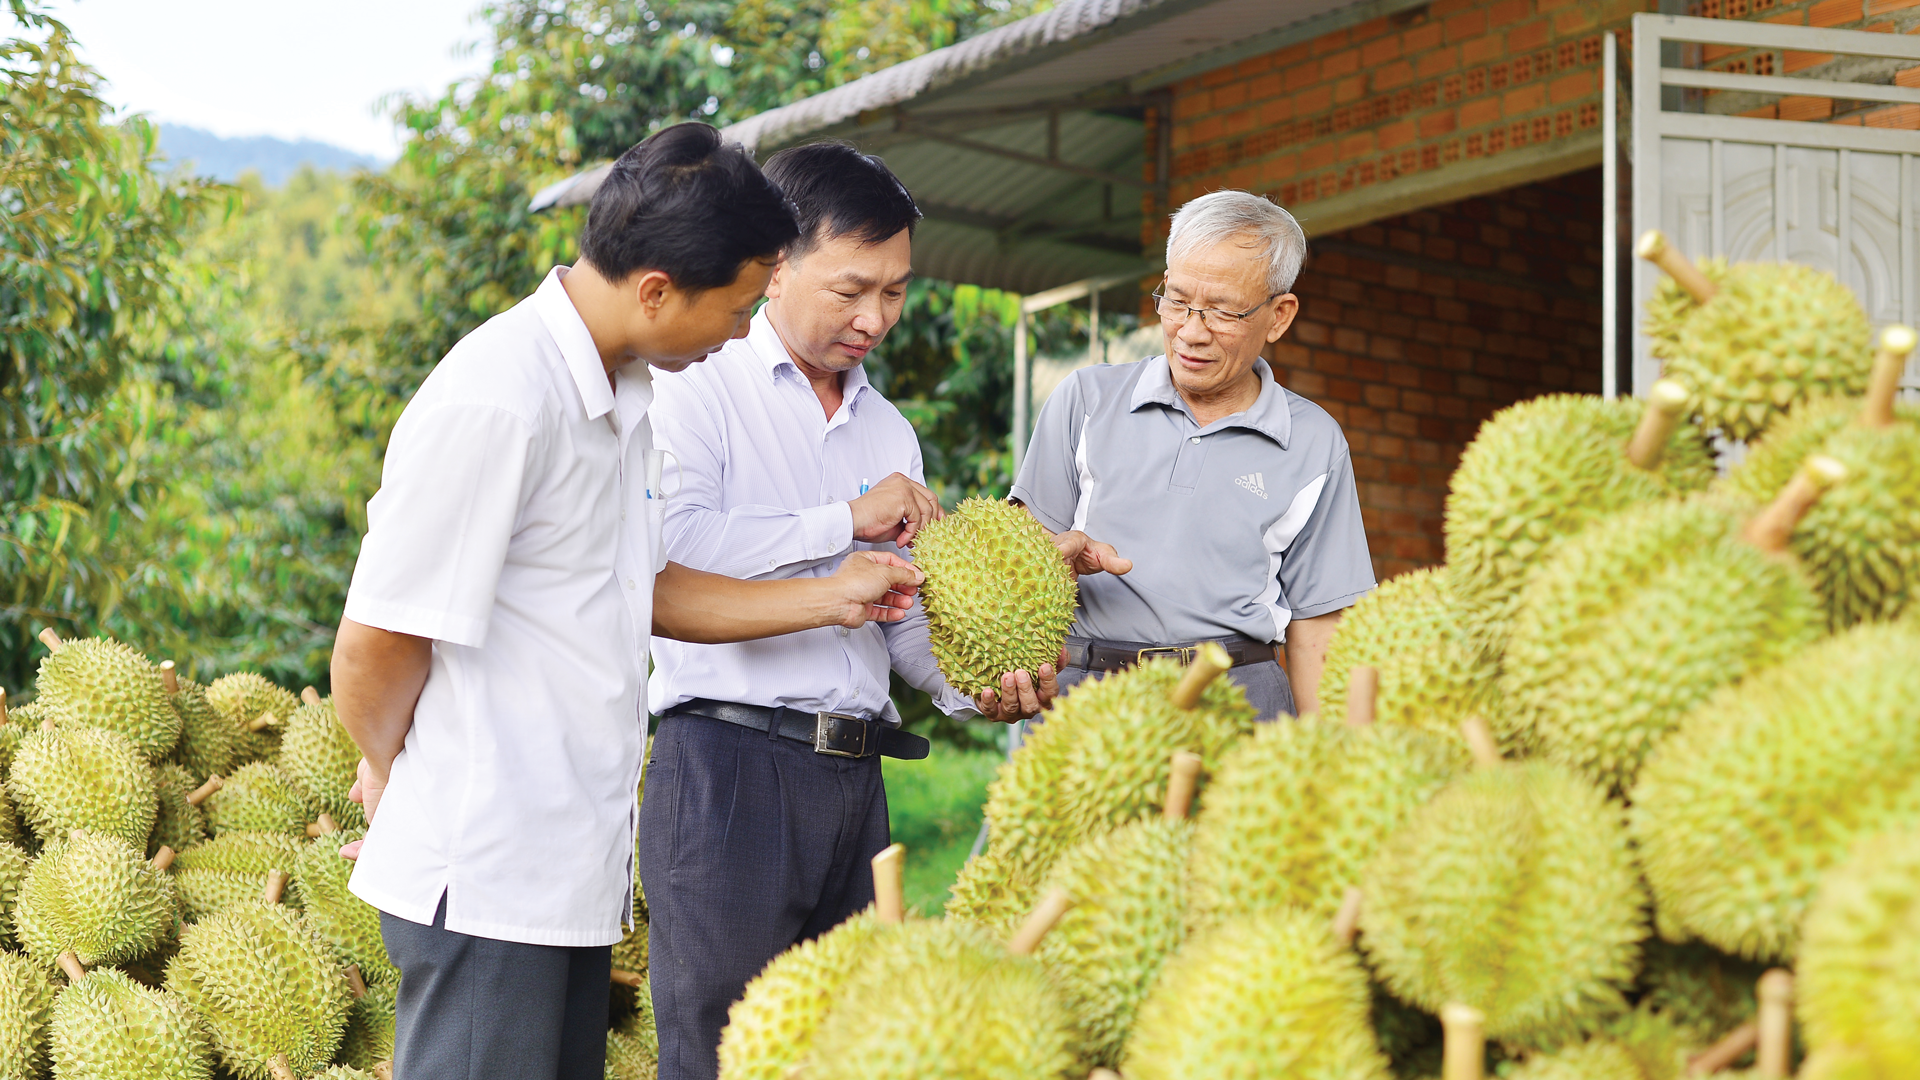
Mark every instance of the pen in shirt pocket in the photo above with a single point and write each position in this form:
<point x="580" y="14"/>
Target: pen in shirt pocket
<point x="863" y="485"/>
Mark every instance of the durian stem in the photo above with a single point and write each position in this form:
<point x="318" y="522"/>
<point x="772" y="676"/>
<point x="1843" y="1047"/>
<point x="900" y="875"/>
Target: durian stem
<point x="70" y="964"/>
<point x="276" y="886"/>
<point x="1465" y="1056"/>
<point x="323" y="827"/>
<point x="1480" y="743"/>
<point x="169" y="677"/>
<point x="1732" y="1046"/>
<point x="1363" y="693"/>
<point x="1666" y="404"/>
<point x="278" y="1066"/>
<point x="383" y="1070"/>
<point x="51" y="640"/>
<point x="1770" y="529"/>
<point x="1896" y="344"/>
<point x="1773" y="1058"/>
<point x="623" y="977"/>
<point x="1181" y="784"/>
<point x="206" y="790"/>
<point x="889" y="890"/>
<point x="163" y="858"/>
<point x="1103" y="1074"/>
<point x="1045" y="914"/>
<point x="1655" y="249"/>
<point x="263" y="721"/>
<point x="1346" y="921"/>
<point x="309" y="695"/>
<point x="356" y="982"/>
<point x="4" y="719"/>
<point x="1209" y="660"/>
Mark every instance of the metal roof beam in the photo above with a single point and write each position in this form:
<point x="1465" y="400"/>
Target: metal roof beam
<point x="1083" y="236"/>
<point x="1036" y="160"/>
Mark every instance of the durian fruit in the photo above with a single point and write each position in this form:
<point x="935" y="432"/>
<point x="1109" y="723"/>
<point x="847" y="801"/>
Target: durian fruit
<point x="11" y="830"/>
<point x="209" y="741"/>
<point x="1101" y="759"/>
<point x="771" y="1029"/>
<point x="1540" y="471"/>
<point x="259" y="798"/>
<point x="177" y="822"/>
<point x="1129" y="889"/>
<point x="1768" y="784"/>
<point x="1272" y="994"/>
<point x="343" y="1072"/>
<point x="108" y="1027"/>
<point x="1634" y="622"/>
<point x="997" y="593"/>
<point x="1599" y="1058"/>
<point x="368" y="1039"/>
<point x="26" y="1007"/>
<point x="13" y="874"/>
<point x="96" y="897"/>
<point x="1512" y="892"/>
<point x="257" y="708"/>
<point x="633" y="1052"/>
<point x="1859" y="964"/>
<point x="1297" y="810"/>
<point x="319" y="755"/>
<point x="1700" y="990"/>
<point x="232" y="868"/>
<point x="268" y="987"/>
<point x="1764" y="338"/>
<point x="631" y="992"/>
<point x="82" y="778"/>
<point x="1409" y="631"/>
<point x="348" y="923"/>
<point x="100" y="683"/>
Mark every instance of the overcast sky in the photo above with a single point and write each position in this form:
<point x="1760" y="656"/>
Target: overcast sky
<point x="291" y="68"/>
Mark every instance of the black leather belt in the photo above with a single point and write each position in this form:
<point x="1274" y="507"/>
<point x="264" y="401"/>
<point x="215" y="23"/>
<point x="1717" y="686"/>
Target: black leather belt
<point x="835" y="734"/>
<point x="1111" y="656"/>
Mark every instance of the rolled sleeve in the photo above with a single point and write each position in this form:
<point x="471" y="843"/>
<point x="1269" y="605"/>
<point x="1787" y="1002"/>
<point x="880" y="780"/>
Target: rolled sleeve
<point x="1328" y="566"/>
<point x="1049" y="480"/>
<point x="439" y="527"/>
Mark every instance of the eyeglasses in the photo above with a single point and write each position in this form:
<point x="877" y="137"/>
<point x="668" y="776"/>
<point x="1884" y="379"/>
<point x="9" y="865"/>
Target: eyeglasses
<point x="1218" y="320"/>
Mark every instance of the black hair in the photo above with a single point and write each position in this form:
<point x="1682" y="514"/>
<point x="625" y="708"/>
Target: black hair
<point x="839" y="191"/>
<point x="685" y="203"/>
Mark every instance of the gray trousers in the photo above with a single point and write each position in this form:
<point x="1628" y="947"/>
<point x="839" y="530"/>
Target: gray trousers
<point x="1265" y="683"/>
<point x="473" y="1008"/>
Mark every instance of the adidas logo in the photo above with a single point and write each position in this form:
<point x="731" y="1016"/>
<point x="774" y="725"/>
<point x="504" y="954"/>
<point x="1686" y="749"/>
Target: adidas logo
<point x="1254" y="482"/>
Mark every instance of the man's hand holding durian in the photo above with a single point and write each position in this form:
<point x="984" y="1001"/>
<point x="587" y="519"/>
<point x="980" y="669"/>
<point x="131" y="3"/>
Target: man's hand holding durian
<point x="893" y="511"/>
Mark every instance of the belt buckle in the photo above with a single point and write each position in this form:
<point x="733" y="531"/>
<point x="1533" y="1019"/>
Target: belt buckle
<point x="829" y="734"/>
<point x="1184" y="653"/>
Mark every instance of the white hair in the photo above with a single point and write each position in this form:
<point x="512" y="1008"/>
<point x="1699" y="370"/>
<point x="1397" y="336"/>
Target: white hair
<point x="1223" y="216"/>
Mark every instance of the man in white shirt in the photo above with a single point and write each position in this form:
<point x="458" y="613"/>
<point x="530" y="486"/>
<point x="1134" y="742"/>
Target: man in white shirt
<point x="764" y="799"/>
<point x="491" y="659"/>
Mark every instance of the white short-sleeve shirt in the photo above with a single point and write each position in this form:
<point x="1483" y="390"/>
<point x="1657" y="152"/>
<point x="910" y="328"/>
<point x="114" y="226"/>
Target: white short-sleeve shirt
<point x="515" y="528"/>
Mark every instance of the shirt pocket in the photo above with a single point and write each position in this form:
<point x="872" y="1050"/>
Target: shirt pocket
<point x="656" y="509"/>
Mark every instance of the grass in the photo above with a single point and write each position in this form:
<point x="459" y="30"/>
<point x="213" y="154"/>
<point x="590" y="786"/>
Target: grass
<point x="934" y="807"/>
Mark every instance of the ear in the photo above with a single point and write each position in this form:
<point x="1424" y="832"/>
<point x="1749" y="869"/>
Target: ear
<point x="778" y="280"/>
<point x="651" y="289"/>
<point x="1285" y="307"/>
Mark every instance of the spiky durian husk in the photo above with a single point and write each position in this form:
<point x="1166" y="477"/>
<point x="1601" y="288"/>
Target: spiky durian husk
<point x="100" y="683"/>
<point x="630" y="954"/>
<point x="232" y="869"/>
<point x="1700" y="990"/>
<point x="1599" y="1058"/>
<point x="1633" y="623"/>
<point x="265" y="984"/>
<point x="633" y="1054"/>
<point x="11" y="830"/>
<point x="259" y="798"/>
<point x="771" y="1029"/>
<point x="1670" y="306"/>
<point x="241" y="698"/>
<point x="1298" y="809"/>
<point x="209" y="741"/>
<point x="1265" y="995"/>
<point x="1101" y="759"/>
<point x="26" y="1006"/>
<point x="1775" y="335"/>
<point x="1859" y="973"/>
<point x="998" y="596"/>
<point x="1129" y="901"/>
<point x="368" y="1039"/>
<point x="957" y="1006"/>
<point x="1861" y="541"/>
<point x="13" y="874"/>
<point x="1409" y="629"/>
<point x="1513" y="891"/>
<point x="317" y="752"/>
<point x="1537" y="472"/>
<point x="987" y="892"/>
<point x="95" y="896"/>
<point x="342" y="1072"/>
<point x="348" y="923"/>
<point x="108" y="1027"/>
<point x="82" y="778"/>
<point x="1769" y="783"/>
<point x="1773" y="458"/>
<point x="177" y="823"/>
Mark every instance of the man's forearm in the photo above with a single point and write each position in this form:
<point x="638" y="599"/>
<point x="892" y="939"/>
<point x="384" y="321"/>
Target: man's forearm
<point x="711" y="609"/>
<point x="1307" y="657"/>
<point x="377" y="679"/>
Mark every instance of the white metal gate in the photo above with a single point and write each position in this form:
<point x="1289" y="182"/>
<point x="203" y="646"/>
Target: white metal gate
<point x="1840" y="197"/>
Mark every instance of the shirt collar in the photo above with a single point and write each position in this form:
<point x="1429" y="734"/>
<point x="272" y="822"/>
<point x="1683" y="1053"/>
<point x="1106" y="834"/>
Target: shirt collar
<point x="1269" y="414"/>
<point x="570" y="333"/>
<point x="764" y="342"/>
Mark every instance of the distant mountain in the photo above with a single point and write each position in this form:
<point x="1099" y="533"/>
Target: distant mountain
<point x="274" y="159"/>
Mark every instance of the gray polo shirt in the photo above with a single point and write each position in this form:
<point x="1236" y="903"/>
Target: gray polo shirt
<point x="1238" y="527"/>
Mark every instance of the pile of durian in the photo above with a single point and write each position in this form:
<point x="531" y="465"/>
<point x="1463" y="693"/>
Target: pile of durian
<point x="173" y="904"/>
<point x="1628" y="790"/>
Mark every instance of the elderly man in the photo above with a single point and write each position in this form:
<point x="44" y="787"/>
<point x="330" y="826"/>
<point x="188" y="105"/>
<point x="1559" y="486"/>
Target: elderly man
<point x="1243" y="492"/>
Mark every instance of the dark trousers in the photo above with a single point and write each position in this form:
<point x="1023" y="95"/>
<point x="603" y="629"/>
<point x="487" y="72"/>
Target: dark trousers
<point x="472" y="1008"/>
<point x="1265" y="683"/>
<point x="748" y="844"/>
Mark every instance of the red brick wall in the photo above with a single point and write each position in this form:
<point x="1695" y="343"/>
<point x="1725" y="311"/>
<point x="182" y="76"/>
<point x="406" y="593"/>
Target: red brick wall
<point x="1414" y="329"/>
<point x="1884" y="16"/>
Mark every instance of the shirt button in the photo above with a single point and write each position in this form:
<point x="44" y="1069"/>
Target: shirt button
<point x="630" y="584"/>
<point x="843" y="631"/>
<point x="1195" y="440"/>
